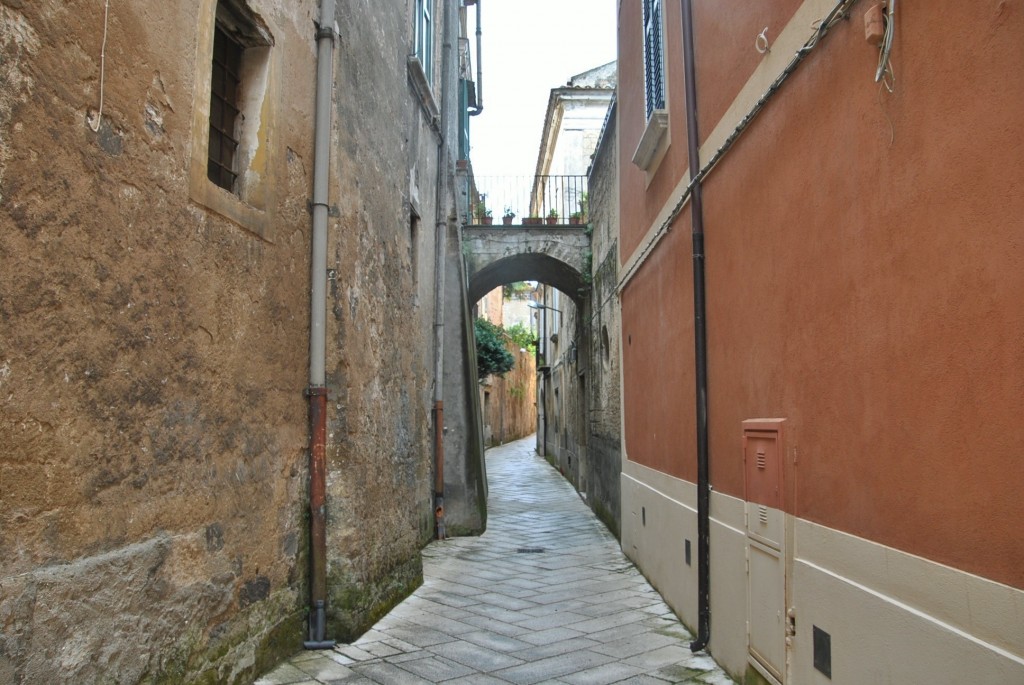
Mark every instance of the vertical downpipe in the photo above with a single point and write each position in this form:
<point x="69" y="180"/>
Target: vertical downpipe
<point x="317" y="391"/>
<point x="440" y="245"/>
<point x="700" y="343"/>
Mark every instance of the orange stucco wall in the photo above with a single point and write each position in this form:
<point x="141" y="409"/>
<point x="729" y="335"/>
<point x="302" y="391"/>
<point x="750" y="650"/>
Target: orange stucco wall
<point x="724" y="34"/>
<point x="657" y="355"/>
<point x="865" y="279"/>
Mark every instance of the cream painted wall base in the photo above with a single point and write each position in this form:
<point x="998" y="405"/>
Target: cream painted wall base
<point x="891" y="617"/>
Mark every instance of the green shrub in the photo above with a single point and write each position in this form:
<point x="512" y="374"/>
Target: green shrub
<point x="523" y="337"/>
<point x="492" y="356"/>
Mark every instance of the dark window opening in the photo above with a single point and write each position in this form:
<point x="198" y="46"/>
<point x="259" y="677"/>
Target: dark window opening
<point x="224" y="112"/>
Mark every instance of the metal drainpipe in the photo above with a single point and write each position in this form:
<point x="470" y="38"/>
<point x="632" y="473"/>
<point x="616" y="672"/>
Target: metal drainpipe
<point x="440" y="245"/>
<point x="317" y="390"/>
<point x="700" y="344"/>
<point x="479" y="66"/>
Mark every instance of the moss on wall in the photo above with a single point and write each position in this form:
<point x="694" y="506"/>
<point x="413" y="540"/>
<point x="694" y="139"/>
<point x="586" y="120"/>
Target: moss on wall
<point x="354" y="605"/>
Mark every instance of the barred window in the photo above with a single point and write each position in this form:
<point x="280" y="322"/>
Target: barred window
<point x="232" y="149"/>
<point x="227" y="60"/>
<point x="654" y="69"/>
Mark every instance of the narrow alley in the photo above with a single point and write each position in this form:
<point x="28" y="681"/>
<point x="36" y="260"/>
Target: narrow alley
<point x="545" y="595"/>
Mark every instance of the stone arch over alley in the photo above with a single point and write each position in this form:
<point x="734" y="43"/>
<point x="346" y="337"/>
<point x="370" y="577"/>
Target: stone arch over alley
<point x="555" y="256"/>
<point x="559" y="257"/>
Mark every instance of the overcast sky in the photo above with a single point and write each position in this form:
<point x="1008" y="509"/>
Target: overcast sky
<point x="530" y="47"/>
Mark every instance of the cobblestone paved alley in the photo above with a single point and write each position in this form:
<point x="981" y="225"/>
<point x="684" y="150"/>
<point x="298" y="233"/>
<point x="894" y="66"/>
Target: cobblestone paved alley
<point x="544" y="596"/>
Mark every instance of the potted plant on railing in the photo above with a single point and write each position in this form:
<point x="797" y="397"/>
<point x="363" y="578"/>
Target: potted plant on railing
<point x="508" y="216"/>
<point x="576" y="218"/>
<point x="483" y="215"/>
<point x="552" y="216"/>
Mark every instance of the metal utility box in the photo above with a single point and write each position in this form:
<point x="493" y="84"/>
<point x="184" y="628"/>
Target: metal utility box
<point x="763" y="468"/>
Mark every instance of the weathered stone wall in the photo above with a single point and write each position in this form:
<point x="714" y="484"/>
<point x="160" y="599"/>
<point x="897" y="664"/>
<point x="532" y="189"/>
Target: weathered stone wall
<point x="604" y="456"/>
<point x="465" y="469"/>
<point x="153" y="353"/>
<point x="581" y="394"/>
<point x="565" y="384"/>
<point x="153" y="356"/>
<point x="380" y="358"/>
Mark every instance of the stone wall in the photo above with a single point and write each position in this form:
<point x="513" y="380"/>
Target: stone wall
<point x="154" y="343"/>
<point x="154" y="353"/>
<point x="380" y="302"/>
<point x="604" y="456"/>
<point x="465" y="468"/>
<point x="582" y="388"/>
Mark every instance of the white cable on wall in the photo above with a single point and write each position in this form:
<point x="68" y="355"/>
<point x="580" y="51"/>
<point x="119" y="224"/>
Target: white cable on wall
<point x="103" y="65"/>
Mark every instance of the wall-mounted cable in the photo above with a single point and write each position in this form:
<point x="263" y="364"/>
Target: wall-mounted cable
<point x="103" y="67"/>
<point x="885" y="73"/>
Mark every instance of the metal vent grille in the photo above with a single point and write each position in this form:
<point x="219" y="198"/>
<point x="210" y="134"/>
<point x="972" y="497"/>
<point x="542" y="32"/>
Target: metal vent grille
<point x="762" y="460"/>
<point x="530" y="550"/>
<point x="762" y="515"/>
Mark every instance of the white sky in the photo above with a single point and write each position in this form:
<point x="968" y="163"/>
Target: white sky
<point x="530" y="47"/>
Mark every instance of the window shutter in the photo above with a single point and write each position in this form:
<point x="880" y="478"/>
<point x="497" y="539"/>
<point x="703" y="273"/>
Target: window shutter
<point x="654" y="81"/>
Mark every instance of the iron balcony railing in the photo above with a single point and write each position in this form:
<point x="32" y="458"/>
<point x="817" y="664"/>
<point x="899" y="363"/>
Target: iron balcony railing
<point x="531" y="199"/>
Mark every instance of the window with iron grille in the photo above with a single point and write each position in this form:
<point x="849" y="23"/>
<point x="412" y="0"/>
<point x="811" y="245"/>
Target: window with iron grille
<point x="232" y="121"/>
<point x="225" y="81"/>
<point x="654" y="70"/>
<point x="425" y="37"/>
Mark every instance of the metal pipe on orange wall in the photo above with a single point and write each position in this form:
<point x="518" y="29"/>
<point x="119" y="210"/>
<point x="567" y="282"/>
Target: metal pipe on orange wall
<point x="317" y="391"/>
<point x="700" y="343"/>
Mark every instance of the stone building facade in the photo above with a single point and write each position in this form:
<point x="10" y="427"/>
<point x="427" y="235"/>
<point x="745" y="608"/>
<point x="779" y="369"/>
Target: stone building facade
<point x="602" y="328"/>
<point x="578" y="381"/>
<point x="154" y="328"/>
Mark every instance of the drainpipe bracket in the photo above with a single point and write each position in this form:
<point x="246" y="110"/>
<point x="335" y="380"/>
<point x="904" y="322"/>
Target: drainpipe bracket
<point x="332" y="210"/>
<point x="331" y="32"/>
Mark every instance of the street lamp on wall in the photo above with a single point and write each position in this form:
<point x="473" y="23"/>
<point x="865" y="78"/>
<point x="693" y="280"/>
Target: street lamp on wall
<point x="536" y="305"/>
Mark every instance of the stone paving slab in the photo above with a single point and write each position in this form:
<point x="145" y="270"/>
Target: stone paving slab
<point x="544" y="596"/>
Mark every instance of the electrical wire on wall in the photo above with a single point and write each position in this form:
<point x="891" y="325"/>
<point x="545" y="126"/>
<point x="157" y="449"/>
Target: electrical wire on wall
<point x="103" y="66"/>
<point x="885" y="74"/>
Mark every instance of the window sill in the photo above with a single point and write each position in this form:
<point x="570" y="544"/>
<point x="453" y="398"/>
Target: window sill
<point x="653" y="143"/>
<point x="211" y="196"/>
<point x="421" y="85"/>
